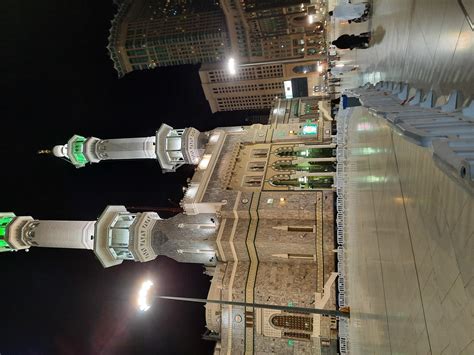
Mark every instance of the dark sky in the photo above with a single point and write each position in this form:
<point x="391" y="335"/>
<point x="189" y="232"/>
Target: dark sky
<point x="57" y="80"/>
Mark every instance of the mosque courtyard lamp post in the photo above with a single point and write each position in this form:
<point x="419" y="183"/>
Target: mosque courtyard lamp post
<point x="146" y="296"/>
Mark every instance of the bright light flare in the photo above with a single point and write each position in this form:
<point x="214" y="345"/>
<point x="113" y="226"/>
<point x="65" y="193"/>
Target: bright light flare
<point x="143" y="304"/>
<point x="232" y="66"/>
<point x="311" y="19"/>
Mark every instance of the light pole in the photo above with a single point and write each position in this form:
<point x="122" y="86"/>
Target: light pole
<point x="144" y="304"/>
<point x="324" y="312"/>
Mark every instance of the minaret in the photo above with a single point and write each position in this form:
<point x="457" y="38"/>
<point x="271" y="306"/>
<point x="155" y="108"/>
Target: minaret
<point x="116" y="236"/>
<point x="171" y="147"/>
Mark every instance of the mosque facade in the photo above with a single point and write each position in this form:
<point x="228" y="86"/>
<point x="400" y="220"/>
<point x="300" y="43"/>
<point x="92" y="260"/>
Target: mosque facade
<point x="258" y="214"/>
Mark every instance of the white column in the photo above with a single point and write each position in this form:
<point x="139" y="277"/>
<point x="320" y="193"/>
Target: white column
<point x="127" y="148"/>
<point x="64" y="234"/>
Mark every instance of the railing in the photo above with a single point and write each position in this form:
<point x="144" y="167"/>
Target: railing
<point x="341" y="221"/>
<point x="446" y="125"/>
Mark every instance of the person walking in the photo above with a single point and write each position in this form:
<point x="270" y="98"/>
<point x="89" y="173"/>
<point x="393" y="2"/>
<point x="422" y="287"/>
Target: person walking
<point x="350" y="11"/>
<point x="352" y="41"/>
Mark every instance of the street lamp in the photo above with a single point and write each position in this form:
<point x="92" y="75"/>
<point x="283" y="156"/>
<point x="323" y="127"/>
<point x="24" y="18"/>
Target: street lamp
<point x="232" y="66"/>
<point x="143" y="304"/>
<point x="146" y="286"/>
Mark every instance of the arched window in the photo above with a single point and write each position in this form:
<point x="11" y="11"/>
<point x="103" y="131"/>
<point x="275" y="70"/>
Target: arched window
<point x="309" y="166"/>
<point x="302" y="152"/>
<point x="303" y="183"/>
<point x="292" y="322"/>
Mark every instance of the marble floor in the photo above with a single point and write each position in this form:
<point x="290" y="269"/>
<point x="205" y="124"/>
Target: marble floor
<point x="410" y="247"/>
<point x="428" y="43"/>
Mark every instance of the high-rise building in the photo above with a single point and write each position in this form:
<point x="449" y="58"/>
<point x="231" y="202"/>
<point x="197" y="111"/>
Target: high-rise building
<point x="274" y="30"/>
<point x="258" y="214"/>
<point x="257" y="86"/>
<point x="150" y="33"/>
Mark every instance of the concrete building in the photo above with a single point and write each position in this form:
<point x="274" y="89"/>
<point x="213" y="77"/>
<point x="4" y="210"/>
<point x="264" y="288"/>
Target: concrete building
<point x="258" y="213"/>
<point x="256" y="86"/>
<point x="150" y="33"/>
<point x="275" y="30"/>
<point x="304" y="109"/>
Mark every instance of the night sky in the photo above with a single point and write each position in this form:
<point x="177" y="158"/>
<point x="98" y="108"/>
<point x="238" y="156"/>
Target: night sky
<point x="58" y="81"/>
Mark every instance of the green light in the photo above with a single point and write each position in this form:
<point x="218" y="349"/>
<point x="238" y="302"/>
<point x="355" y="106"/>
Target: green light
<point x="77" y="151"/>
<point x="291" y="342"/>
<point x="372" y="178"/>
<point x="315" y="153"/>
<point x="5" y="219"/>
<point x="310" y="128"/>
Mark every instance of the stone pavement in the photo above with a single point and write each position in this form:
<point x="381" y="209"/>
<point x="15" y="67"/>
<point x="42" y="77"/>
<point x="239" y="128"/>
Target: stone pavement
<point x="427" y="43"/>
<point x="409" y="247"/>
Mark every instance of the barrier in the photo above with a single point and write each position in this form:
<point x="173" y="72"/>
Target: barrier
<point x="447" y="129"/>
<point x="341" y="213"/>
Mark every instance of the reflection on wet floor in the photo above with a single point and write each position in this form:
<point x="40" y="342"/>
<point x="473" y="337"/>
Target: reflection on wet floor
<point x="428" y="43"/>
<point x="410" y="247"/>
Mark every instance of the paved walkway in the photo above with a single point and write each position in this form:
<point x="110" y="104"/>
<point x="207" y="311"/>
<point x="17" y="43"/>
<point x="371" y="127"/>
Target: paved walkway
<point x="428" y="43"/>
<point x="410" y="251"/>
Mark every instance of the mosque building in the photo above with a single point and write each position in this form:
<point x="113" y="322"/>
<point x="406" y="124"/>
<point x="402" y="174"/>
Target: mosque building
<point x="258" y="214"/>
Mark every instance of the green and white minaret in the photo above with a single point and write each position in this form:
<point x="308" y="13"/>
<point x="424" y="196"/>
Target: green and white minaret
<point x="171" y="147"/>
<point x="117" y="235"/>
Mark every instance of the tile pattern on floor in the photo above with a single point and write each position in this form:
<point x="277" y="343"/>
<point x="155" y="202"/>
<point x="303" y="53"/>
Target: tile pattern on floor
<point x="410" y="250"/>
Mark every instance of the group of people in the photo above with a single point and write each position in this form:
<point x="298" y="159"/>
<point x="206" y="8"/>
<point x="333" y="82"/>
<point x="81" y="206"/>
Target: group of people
<point x="352" y="13"/>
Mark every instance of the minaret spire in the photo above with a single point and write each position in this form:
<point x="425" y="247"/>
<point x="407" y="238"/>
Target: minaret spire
<point x="171" y="147"/>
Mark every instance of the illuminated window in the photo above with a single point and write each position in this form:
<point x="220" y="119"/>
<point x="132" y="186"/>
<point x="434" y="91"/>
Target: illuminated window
<point x="303" y="183"/>
<point x="308" y="166"/>
<point x="306" y="152"/>
<point x="204" y="161"/>
<point x="310" y="128"/>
